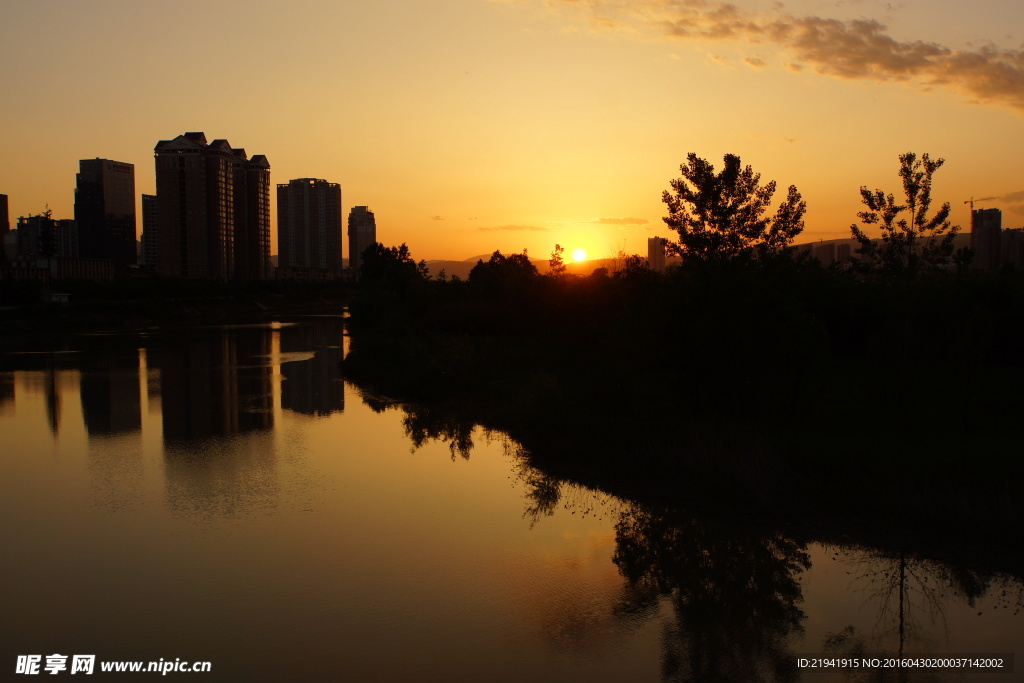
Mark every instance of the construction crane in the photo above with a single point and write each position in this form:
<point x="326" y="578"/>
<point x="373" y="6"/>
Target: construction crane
<point x="983" y="199"/>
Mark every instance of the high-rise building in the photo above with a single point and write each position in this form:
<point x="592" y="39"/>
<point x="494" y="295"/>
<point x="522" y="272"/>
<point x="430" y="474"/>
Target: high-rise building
<point x="5" y="216"/>
<point x="656" y="253"/>
<point x="844" y="252"/>
<point x="252" y="217"/>
<point x="150" y="232"/>
<point x="362" y="232"/>
<point x="986" y="226"/>
<point x="1011" y="248"/>
<point x="213" y="209"/>
<point x="309" y="227"/>
<point x="105" y="210"/>
<point x="5" y="225"/>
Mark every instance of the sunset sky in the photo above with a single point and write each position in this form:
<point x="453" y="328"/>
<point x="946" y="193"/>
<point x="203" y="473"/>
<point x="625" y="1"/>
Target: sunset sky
<point x="474" y="125"/>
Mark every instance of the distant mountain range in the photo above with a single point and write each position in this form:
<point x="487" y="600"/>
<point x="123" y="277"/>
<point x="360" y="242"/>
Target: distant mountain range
<point x="462" y="268"/>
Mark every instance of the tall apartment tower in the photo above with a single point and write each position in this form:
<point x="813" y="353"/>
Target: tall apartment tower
<point x="5" y="216"/>
<point x="150" y="232"/>
<point x="213" y="209"/>
<point x="105" y="210"/>
<point x="252" y="217"/>
<point x="5" y="225"/>
<point x="656" y="253"/>
<point x="986" y="229"/>
<point x="362" y="232"/>
<point x="309" y="225"/>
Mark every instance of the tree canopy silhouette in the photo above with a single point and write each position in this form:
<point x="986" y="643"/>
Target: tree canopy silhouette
<point x="556" y="264"/>
<point x="908" y="245"/>
<point x="720" y="216"/>
<point x="503" y="272"/>
<point x="392" y="265"/>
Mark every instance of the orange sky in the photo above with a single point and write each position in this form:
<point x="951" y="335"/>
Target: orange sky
<point x="474" y="125"/>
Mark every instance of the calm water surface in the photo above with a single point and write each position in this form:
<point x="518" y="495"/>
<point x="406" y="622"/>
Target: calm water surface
<point x="223" y="495"/>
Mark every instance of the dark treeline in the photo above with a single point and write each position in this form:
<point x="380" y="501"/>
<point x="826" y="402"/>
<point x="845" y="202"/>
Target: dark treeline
<point x="774" y="383"/>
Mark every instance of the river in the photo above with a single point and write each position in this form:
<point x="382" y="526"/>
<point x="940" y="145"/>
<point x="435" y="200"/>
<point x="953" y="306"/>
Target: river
<point x="223" y="495"/>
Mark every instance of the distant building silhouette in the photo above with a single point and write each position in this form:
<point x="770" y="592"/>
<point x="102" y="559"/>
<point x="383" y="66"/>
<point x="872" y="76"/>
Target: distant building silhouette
<point x="825" y="252"/>
<point x="828" y="252"/>
<point x="150" y="232"/>
<point x="362" y="232"/>
<point x="309" y="229"/>
<point x="986" y="238"/>
<point x="656" y="253"/>
<point x="46" y="249"/>
<point x="67" y="238"/>
<point x="5" y="225"/>
<point x="48" y="268"/>
<point x="1011" y="248"/>
<point x="105" y="210"/>
<point x="40" y="236"/>
<point x="844" y="251"/>
<point x="213" y="209"/>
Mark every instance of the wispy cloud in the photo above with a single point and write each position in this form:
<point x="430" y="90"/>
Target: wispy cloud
<point x="534" y="228"/>
<point x="846" y="49"/>
<point x="620" y="221"/>
<point x="1015" y="200"/>
<point x="436" y="218"/>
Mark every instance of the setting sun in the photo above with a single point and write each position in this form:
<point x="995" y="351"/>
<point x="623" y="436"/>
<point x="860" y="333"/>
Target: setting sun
<point x="579" y="255"/>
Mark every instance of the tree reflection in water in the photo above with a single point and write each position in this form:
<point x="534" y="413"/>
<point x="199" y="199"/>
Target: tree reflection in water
<point x="911" y="596"/>
<point x="426" y="424"/>
<point x="423" y="424"/>
<point x="734" y="592"/>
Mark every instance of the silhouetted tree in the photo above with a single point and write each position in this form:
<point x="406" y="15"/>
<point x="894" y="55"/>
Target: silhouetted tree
<point x="393" y="265"/>
<point x="391" y="286"/>
<point x="633" y="267"/>
<point x="502" y="272"/>
<point x="556" y="264"/>
<point x="720" y="217"/>
<point x="908" y="245"/>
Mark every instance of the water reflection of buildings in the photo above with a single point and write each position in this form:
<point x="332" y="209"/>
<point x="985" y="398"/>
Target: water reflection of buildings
<point x="215" y="386"/>
<point x="109" y="390"/>
<point x="313" y="387"/>
<point x="216" y="394"/>
<point x="218" y="385"/>
<point x="112" y="406"/>
<point x="6" y="390"/>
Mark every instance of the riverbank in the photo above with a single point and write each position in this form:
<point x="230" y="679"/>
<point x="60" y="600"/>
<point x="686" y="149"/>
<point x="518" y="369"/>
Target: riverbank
<point x="133" y="305"/>
<point x="865" y="411"/>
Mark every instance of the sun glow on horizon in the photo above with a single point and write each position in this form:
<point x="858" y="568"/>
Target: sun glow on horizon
<point x="579" y="255"/>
